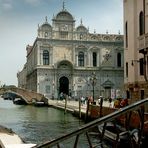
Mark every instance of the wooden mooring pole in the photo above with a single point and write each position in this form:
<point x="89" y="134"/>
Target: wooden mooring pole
<point x="79" y="107"/>
<point x="66" y="96"/>
<point x="87" y="109"/>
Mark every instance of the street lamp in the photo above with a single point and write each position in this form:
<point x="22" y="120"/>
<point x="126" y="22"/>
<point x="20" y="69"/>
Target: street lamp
<point x="53" y="84"/>
<point x="93" y="80"/>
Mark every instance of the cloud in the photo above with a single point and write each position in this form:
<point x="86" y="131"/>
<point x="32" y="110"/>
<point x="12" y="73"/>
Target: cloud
<point x="33" y="2"/>
<point x="6" y="4"/>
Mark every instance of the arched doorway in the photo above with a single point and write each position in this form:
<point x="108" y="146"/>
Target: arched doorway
<point x="64" y="85"/>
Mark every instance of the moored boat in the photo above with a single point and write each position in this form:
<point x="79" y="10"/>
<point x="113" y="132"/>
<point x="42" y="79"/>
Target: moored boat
<point x="114" y="132"/>
<point x="118" y="136"/>
<point x="19" y="101"/>
<point x="9" y="139"/>
<point x="39" y="103"/>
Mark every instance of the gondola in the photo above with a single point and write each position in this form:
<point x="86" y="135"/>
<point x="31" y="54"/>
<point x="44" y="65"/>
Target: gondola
<point x="117" y="134"/>
<point x="9" y="139"/>
<point x="113" y="131"/>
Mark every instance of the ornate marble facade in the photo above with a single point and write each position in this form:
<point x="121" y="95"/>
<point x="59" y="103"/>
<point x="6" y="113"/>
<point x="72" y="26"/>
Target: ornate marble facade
<point x="63" y="58"/>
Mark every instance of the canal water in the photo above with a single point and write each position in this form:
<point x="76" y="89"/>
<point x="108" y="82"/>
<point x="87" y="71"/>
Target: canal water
<point x="37" y="124"/>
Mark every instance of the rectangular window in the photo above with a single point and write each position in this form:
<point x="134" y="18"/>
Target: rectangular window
<point x="128" y="94"/>
<point x="81" y="62"/>
<point x="45" y="57"/>
<point x="126" y="69"/>
<point x="81" y="59"/>
<point x="146" y="65"/>
<point x="142" y="94"/>
<point x="141" y="64"/>
<point x="46" y="61"/>
<point x="94" y="59"/>
<point x="126" y="34"/>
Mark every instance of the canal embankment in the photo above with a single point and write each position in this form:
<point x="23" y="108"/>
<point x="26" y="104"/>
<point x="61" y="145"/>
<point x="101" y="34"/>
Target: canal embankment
<point x="83" y="111"/>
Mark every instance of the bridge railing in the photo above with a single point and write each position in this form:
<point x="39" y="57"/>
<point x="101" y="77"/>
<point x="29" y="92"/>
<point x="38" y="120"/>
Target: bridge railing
<point x="139" y="106"/>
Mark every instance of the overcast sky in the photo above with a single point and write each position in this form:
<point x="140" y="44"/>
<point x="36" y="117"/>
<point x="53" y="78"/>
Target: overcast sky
<point x="19" y="20"/>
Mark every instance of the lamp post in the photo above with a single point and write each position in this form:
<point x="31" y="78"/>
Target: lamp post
<point x="53" y="94"/>
<point x="93" y="80"/>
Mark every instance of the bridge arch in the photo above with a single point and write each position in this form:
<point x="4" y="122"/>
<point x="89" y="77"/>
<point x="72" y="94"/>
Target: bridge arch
<point x="13" y="95"/>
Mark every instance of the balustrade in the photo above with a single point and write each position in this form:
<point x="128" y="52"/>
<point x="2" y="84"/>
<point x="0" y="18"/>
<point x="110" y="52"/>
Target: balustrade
<point x="143" y="41"/>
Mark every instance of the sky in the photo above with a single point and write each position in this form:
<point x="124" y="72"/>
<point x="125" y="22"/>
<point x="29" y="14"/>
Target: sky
<point x="19" y="21"/>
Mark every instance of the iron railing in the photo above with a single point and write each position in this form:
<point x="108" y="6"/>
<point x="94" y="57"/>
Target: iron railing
<point x="139" y="106"/>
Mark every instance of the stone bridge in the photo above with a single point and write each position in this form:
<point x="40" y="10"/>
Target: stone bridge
<point x="28" y="96"/>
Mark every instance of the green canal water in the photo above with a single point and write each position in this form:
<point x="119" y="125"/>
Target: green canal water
<point x="37" y="124"/>
<point x="41" y="124"/>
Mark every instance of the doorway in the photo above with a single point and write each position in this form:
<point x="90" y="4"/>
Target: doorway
<point x="64" y="85"/>
<point x="107" y="92"/>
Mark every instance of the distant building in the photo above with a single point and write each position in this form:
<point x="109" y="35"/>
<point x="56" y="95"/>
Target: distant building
<point x="136" y="49"/>
<point x="22" y="77"/>
<point x="63" y="59"/>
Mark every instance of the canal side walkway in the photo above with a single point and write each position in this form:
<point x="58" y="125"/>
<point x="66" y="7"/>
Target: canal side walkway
<point x="73" y="106"/>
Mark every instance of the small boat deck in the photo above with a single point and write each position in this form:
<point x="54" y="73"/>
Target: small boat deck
<point x="9" y="139"/>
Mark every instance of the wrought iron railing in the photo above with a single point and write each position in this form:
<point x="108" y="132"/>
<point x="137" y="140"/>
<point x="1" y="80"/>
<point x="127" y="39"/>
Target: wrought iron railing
<point x="84" y="130"/>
